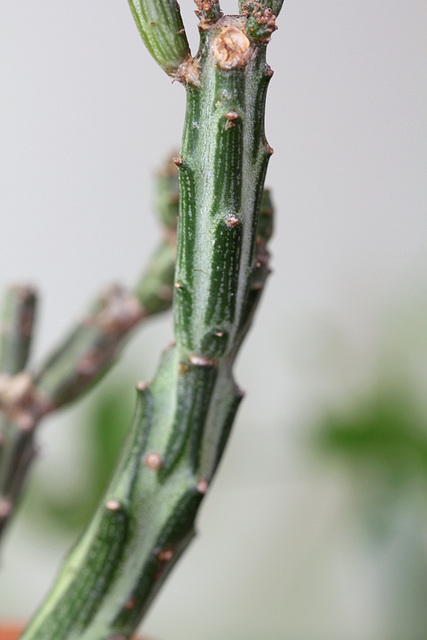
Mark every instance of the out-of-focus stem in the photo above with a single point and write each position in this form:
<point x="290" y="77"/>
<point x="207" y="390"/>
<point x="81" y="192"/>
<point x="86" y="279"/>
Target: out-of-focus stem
<point x="82" y="358"/>
<point x="17" y="320"/>
<point x="16" y="328"/>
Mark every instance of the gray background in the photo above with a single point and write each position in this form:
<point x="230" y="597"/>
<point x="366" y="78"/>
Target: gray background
<point x="86" y="116"/>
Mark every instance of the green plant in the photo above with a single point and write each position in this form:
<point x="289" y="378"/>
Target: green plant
<point x="378" y="439"/>
<point x="82" y="357"/>
<point x="184" y="416"/>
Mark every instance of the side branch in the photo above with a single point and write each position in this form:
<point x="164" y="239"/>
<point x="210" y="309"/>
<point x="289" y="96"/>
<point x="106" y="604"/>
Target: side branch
<point x="161" y="28"/>
<point x="88" y="352"/>
<point x="82" y="358"/>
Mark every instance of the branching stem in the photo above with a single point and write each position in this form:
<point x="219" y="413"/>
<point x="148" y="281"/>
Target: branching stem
<point x="184" y="416"/>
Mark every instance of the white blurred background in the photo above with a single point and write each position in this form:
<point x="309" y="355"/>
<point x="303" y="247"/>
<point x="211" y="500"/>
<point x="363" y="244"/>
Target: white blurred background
<point x="86" y="116"/>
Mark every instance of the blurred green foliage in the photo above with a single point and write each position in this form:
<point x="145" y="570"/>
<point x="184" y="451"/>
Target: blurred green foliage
<point x="379" y="443"/>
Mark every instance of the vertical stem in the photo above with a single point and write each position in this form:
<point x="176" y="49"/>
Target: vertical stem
<point x="183" y="418"/>
<point x="17" y="319"/>
<point x="222" y="168"/>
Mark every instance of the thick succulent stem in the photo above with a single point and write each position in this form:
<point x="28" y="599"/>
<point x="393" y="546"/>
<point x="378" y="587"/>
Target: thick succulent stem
<point x="82" y="358"/>
<point x="221" y="170"/>
<point x="183" y="418"/>
<point x="146" y="519"/>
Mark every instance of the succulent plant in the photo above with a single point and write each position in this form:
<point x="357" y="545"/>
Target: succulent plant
<point x="183" y="417"/>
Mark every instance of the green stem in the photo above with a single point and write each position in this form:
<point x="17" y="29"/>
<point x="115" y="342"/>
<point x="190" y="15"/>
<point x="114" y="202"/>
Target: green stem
<point x="221" y="170"/>
<point x="183" y="419"/>
<point x="160" y="25"/>
<point x="16" y="327"/>
<point x="16" y="330"/>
